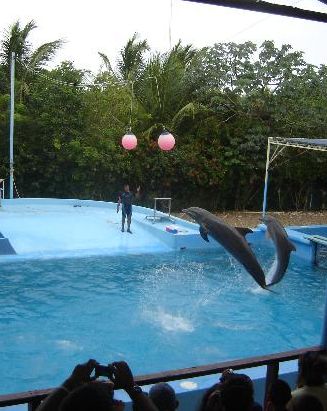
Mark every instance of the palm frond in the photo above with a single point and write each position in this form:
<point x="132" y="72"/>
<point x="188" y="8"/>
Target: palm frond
<point x="106" y="61"/>
<point x="190" y="111"/>
<point x="131" y="61"/>
<point x="43" y="54"/>
<point x="184" y="54"/>
<point x="15" y="40"/>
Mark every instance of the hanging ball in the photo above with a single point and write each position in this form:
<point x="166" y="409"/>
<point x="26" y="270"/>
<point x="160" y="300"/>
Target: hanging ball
<point x="129" y="141"/>
<point x="166" y="141"/>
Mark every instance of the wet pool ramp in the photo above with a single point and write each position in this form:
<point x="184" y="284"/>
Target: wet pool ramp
<point x="59" y="227"/>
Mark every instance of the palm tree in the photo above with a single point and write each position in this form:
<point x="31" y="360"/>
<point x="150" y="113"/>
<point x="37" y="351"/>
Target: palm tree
<point x="157" y="86"/>
<point x="161" y="88"/>
<point x="131" y="61"/>
<point x="28" y="60"/>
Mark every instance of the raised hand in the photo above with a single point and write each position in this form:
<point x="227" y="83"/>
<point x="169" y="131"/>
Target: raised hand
<point x="80" y="375"/>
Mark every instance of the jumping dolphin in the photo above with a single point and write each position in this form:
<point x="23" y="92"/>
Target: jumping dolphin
<point x="230" y="238"/>
<point x="283" y="248"/>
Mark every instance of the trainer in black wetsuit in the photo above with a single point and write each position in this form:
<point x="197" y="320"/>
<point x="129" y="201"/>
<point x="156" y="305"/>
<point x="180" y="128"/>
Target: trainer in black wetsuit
<point x="126" y="200"/>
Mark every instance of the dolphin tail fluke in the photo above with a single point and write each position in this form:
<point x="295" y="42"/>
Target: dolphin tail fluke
<point x="269" y="289"/>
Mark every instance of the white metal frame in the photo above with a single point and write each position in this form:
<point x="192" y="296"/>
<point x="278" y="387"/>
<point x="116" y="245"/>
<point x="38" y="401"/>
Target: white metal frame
<point x="281" y="144"/>
<point x="155" y="217"/>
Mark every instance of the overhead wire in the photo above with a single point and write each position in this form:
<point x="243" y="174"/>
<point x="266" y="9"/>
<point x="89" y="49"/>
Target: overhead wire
<point x="250" y="26"/>
<point x="60" y="82"/>
<point x="170" y="22"/>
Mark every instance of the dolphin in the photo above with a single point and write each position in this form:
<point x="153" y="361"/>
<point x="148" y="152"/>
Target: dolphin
<point x="231" y="238"/>
<point x="283" y="247"/>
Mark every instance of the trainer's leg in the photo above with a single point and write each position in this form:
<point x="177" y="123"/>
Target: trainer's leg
<point x="123" y="217"/>
<point x="129" y="220"/>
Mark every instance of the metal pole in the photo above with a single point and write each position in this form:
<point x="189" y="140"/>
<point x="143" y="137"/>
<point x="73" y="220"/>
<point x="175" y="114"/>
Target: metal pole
<point x="2" y="190"/>
<point x="324" y="328"/>
<point x="264" y="206"/>
<point x="12" y="110"/>
<point x="170" y="22"/>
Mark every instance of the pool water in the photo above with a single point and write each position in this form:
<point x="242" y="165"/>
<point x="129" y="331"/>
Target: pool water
<point x="158" y="312"/>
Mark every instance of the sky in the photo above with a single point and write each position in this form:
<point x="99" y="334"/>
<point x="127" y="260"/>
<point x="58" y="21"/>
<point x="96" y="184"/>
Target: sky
<point x="105" y="25"/>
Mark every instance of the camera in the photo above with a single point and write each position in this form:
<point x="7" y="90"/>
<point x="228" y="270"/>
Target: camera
<point x="104" y="371"/>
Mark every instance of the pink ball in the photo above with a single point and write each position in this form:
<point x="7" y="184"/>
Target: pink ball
<point x="129" y="141"/>
<point x="166" y="141"/>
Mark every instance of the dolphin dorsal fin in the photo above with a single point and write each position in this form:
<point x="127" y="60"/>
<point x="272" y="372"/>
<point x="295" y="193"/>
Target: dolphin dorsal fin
<point x="204" y="233"/>
<point x="243" y="230"/>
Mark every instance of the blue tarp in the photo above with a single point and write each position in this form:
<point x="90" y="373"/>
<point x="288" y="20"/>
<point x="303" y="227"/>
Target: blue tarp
<point x="322" y="142"/>
<point x="317" y="142"/>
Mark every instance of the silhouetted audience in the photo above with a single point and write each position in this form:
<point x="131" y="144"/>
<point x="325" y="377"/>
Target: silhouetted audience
<point x="311" y="378"/>
<point x="163" y="396"/>
<point x="242" y="379"/>
<point x="80" y="392"/>
<point x="211" y="400"/>
<point x="307" y="402"/>
<point x="234" y="393"/>
<point x="278" y="396"/>
<point x="94" y="395"/>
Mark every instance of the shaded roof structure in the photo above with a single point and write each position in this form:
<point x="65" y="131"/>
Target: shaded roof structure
<point x="318" y="144"/>
<point x="270" y="8"/>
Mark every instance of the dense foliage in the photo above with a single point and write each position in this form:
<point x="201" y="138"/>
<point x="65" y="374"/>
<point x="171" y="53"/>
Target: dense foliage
<point x="220" y="102"/>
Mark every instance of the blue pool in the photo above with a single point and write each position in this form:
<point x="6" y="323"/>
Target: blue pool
<point x="157" y="311"/>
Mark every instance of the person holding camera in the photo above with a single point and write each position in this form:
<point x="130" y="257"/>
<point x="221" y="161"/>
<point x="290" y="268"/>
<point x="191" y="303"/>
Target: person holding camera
<point x="83" y="392"/>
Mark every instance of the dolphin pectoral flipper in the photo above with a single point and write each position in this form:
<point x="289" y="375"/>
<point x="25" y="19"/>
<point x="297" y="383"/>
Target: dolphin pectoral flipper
<point x="243" y="230"/>
<point x="292" y="246"/>
<point x="229" y="238"/>
<point x="204" y="233"/>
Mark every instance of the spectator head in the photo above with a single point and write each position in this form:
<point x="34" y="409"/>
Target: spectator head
<point x="306" y="402"/>
<point x="89" y="397"/>
<point x="312" y="369"/>
<point x="237" y="393"/>
<point x="211" y="401"/>
<point x="126" y="188"/>
<point x="279" y="395"/>
<point x="239" y="379"/>
<point x="234" y="393"/>
<point x="163" y="396"/>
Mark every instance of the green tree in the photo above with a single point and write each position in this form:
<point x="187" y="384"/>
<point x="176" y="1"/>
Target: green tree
<point x="28" y="60"/>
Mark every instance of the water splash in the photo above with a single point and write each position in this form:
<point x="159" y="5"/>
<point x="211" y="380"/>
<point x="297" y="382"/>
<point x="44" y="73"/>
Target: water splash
<point x="232" y="327"/>
<point x="68" y="345"/>
<point x="169" y="322"/>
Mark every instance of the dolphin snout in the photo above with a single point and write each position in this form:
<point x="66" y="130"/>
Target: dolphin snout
<point x="187" y="211"/>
